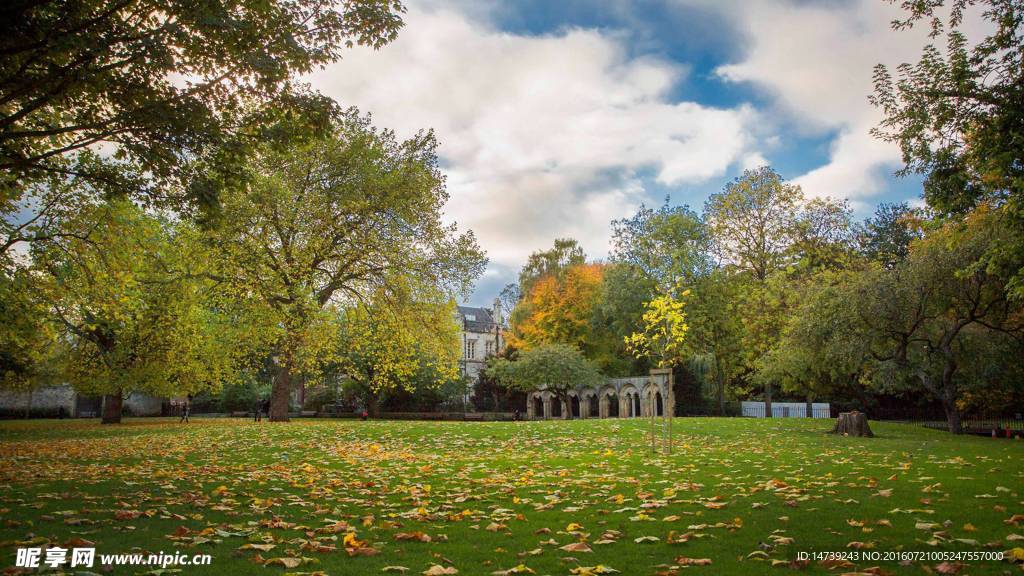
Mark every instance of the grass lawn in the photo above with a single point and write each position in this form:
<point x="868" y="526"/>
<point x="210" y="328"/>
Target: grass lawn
<point x="551" y="496"/>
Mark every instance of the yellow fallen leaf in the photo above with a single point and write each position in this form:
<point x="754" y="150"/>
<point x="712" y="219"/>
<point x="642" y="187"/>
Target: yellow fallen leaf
<point x="438" y="570"/>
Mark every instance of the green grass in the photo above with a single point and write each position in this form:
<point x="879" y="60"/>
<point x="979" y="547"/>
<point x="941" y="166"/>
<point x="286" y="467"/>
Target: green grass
<point x="279" y="483"/>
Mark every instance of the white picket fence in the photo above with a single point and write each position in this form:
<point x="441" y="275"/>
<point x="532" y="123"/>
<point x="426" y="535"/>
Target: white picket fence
<point x="786" y="410"/>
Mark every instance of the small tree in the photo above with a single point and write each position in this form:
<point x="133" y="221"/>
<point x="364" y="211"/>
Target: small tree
<point x="664" y="331"/>
<point x="557" y="368"/>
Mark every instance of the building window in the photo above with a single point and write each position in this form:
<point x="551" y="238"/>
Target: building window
<point x="470" y="349"/>
<point x="489" y="348"/>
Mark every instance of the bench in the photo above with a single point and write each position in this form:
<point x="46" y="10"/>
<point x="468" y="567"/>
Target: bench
<point x="242" y="414"/>
<point x="474" y="416"/>
<point x="308" y="413"/>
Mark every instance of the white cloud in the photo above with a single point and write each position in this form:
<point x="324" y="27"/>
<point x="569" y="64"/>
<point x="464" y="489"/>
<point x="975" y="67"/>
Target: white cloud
<point x="816" y="61"/>
<point x="542" y="136"/>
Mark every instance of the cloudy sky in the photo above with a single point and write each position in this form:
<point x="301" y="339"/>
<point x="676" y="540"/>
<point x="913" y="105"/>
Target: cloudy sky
<point x="556" y="117"/>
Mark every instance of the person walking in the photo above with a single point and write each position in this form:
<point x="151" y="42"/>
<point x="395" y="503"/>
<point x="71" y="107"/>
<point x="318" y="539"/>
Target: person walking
<point x="185" y="409"/>
<point x="257" y="410"/>
<point x="266" y="408"/>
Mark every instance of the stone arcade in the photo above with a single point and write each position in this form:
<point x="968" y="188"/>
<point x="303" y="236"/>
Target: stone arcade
<point x="632" y="397"/>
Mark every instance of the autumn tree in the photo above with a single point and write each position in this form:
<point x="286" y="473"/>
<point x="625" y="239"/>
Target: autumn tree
<point x="331" y="221"/>
<point x="558" y="368"/>
<point x="558" y="308"/>
<point x="398" y="341"/>
<point x="663" y="332"/>
<point x="133" y="307"/>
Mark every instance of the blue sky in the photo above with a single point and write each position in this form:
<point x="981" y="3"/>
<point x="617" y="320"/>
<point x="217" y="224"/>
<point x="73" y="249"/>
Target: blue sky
<point x="556" y="117"/>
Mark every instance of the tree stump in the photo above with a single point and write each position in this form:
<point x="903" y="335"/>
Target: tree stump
<point x="852" y="424"/>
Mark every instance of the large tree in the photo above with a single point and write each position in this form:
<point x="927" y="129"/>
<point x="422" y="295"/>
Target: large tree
<point x="885" y="236"/>
<point x="958" y="112"/>
<point x="753" y="221"/>
<point x="754" y="226"/>
<point x="668" y="245"/>
<point x="334" y="220"/>
<point x="927" y="319"/>
<point x="133" y="307"/>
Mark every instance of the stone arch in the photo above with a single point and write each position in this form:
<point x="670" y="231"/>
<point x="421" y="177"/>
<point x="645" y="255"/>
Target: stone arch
<point x="593" y="409"/>
<point x="653" y="399"/>
<point x="629" y="401"/>
<point x="536" y="406"/>
<point x="608" y="402"/>
<point x="575" y="406"/>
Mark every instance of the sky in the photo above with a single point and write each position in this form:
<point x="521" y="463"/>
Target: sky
<point x="556" y="117"/>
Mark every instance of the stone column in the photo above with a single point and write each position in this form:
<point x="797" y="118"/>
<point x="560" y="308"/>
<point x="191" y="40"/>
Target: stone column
<point x="531" y="403"/>
<point x="566" y="409"/>
<point x="602" y="406"/>
<point x="547" y="407"/>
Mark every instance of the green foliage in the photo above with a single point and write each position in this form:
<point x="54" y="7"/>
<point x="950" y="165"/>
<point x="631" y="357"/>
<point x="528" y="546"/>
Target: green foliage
<point x="132" y="307"/>
<point x="958" y="113"/>
<point x="385" y="345"/>
<point x="959" y="116"/>
<point x="823" y="346"/>
<point x="886" y="237"/>
<point x="557" y="368"/>
<point x="932" y="324"/>
<point x="161" y="85"/>
<point x="666" y="246"/>
<point x="753" y="221"/>
<point x="664" y="330"/>
<point x="26" y="337"/>
<point x="565" y="253"/>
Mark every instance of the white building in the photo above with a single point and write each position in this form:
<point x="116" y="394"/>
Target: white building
<point x="481" y="337"/>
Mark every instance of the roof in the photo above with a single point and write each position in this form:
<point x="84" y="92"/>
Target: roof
<point x="476" y="319"/>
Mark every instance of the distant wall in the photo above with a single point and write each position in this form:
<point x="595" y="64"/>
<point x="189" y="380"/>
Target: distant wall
<point x="786" y="410"/>
<point x="138" y="404"/>
<point x="48" y="398"/>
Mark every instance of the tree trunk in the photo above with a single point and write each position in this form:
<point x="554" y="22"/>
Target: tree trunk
<point x="721" y="385"/>
<point x="810" y="407"/>
<point x="372" y="404"/>
<point x="853" y="424"/>
<point x="768" y="400"/>
<point x="952" y="415"/>
<point x="279" y="394"/>
<point x="112" y="408"/>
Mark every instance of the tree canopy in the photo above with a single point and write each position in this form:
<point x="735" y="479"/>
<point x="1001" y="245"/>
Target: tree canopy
<point x="328" y="221"/>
